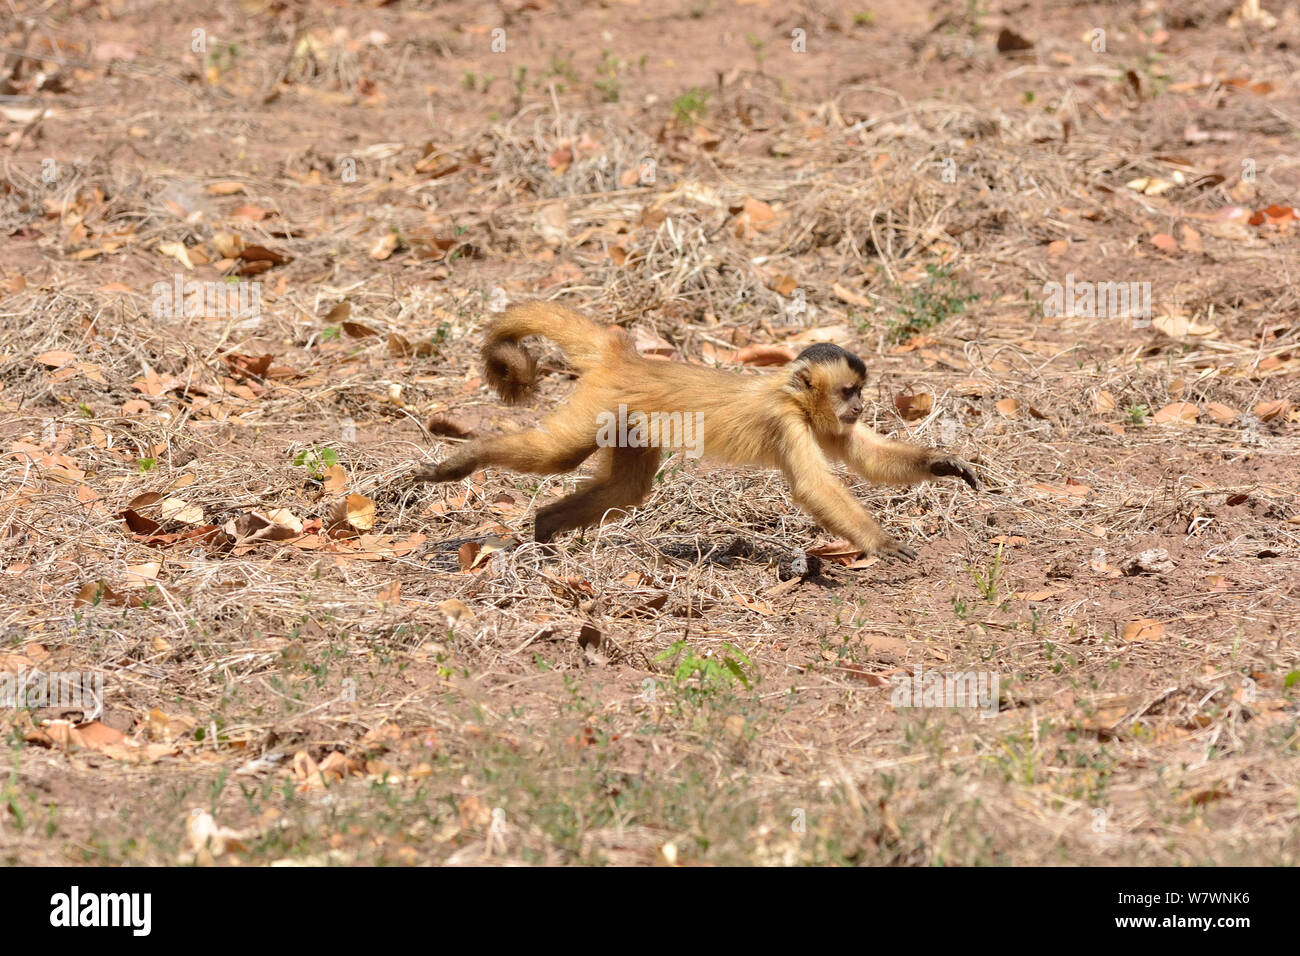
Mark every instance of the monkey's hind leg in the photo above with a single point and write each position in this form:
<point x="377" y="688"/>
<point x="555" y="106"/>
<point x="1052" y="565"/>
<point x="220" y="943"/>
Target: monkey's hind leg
<point x="624" y="478"/>
<point x="540" y="451"/>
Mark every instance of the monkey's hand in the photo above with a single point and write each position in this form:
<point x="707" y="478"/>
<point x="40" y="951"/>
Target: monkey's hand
<point x="950" y="465"/>
<point x="889" y="549"/>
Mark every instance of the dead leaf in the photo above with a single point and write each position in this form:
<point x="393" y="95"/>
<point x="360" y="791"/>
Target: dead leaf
<point x="1144" y="630"/>
<point x="336" y="479"/>
<point x="851" y="297"/>
<point x="913" y="406"/>
<point x="1179" y="326"/>
<point x="228" y="244"/>
<point x="1267" y="411"/>
<point x="474" y="554"/>
<point x="1071" y="488"/>
<point x="225" y="188"/>
<point x="1033" y="597"/>
<point x="360" y="512"/>
<point x="384" y="246"/>
<point x="650" y="343"/>
<point x="783" y="284"/>
<point x="207" y="838"/>
<point x="263" y="254"/>
<point x="1177" y="412"/>
<point x="175" y="509"/>
<point x="161" y="727"/>
<point x="1150" y="185"/>
<point x="1164" y="242"/>
<point x="389" y="594"/>
<point x="834" y="334"/>
<point x="1011" y="42"/>
<point x="455" y="609"/>
<point x="590" y="637"/>
<point x="1223" y="414"/>
<point x="56" y="358"/>
<point x="838" y="551"/>
<point x="553" y="224"/>
<point x="97" y="592"/>
<point x="752" y="216"/>
<point x="759" y="607"/>
<point x="355" y="330"/>
<point x="765" y="355"/>
<point x="253" y="527"/>
<point x="870" y="678"/>
<point x="250" y="212"/>
<point x="177" y="251"/>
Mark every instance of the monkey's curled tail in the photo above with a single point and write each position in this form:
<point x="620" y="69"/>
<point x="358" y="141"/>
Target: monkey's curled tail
<point x="511" y="369"/>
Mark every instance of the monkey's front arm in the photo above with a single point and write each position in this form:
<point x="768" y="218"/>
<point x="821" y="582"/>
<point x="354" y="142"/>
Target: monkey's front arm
<point x="820" y="493"/>
<point x="887" y="462"/>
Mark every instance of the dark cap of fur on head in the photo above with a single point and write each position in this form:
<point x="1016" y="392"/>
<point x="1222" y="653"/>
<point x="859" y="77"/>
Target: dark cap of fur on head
<point x="824" y="353"/>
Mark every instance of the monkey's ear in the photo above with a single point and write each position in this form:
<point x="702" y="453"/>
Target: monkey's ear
<point x="803" y="377"/>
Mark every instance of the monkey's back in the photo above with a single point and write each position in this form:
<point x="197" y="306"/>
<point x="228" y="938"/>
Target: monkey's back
<point x="733" y="411"/>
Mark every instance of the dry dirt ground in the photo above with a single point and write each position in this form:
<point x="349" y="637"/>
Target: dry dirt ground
<point x="307" y="658"/>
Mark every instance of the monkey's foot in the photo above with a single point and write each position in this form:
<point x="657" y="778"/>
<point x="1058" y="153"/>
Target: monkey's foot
<point x="449" y="470"/>
<point x="548" y="524"/>
<point x="957" y="468"/>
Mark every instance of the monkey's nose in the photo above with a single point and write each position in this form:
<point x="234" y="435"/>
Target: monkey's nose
<point x="857" y="410"/>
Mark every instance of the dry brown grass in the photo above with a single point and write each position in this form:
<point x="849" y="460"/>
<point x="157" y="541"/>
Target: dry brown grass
<point x="363" y="699"/>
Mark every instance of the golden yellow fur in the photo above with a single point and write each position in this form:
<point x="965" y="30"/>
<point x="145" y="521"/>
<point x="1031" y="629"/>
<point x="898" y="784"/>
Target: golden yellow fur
<point x="797" y="420"/>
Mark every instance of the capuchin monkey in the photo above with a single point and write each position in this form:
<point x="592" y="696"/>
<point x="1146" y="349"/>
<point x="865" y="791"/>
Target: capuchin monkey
<point x="798" y="420"/>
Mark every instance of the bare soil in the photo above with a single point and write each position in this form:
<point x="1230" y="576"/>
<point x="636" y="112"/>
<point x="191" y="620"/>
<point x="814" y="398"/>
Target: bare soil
<point x="307" y="657"/>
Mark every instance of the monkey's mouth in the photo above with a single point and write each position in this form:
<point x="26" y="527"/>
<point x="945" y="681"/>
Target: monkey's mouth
<point x="850" y="418"/>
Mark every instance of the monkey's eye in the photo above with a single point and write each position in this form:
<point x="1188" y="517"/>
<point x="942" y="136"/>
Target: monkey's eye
<point x="849" y="390"/>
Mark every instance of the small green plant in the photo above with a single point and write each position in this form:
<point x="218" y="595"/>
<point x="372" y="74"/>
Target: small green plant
<point x="1034" y="304"/>
<point x="316" y="460"/>
<point x="562" y="67"/>
<point x="477" y="82"/>
<point x="519" y="80"/>
<point x="864" y="18"/>
<point x="713" y="674"/>
<point x="973" y="17"/>
<point x="1137" y="414"/>
<point x="926" y="305"/>
<point x="146" y="464"/>
<point x="987" y="580"/>
<point x="691" y="105"/>
<point x="609" y="86"/>
<point x="223" y="56"/>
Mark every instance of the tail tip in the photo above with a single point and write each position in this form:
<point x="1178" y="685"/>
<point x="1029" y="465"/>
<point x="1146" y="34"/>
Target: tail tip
<point x="511" y="371"/>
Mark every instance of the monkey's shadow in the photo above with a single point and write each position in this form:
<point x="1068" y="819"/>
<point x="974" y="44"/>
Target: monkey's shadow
<point x="788" y="562"/>
<point x="727" y="553"/>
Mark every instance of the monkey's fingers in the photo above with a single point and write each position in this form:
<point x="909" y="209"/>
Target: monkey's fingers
<point x="894" y="549"/>
<point x="957" y="468"/>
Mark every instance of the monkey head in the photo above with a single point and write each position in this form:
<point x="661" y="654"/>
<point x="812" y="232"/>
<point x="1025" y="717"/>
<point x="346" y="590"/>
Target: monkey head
<point x="827" y="382"/>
